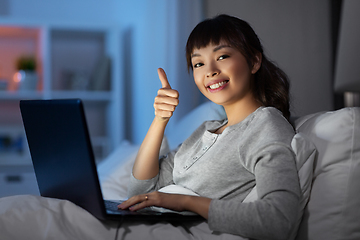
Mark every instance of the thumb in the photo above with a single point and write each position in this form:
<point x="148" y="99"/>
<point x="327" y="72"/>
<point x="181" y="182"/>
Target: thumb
<point x="163" y="78"/>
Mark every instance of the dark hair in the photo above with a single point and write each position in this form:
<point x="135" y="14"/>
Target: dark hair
<point x="271" y="85"/>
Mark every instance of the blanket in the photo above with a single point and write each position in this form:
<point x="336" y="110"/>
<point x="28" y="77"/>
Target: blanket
<point x="38" y="218"/>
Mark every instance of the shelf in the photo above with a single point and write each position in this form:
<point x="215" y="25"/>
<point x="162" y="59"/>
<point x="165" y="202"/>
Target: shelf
<point x="103" y="96"/>
<point x="77" y="58"/>
<point x="84" y="95"/>
<point x="15" y="95"/>
<point x="18" y="32"/>
<point x="73" y="62"/>
<point x="16" y="42"/>
<point x="100" y="147"/>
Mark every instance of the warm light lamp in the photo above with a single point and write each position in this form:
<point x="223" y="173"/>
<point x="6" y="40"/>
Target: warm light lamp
<point x="347" y="71"/>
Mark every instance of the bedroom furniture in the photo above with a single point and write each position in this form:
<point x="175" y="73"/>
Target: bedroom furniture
<point x="67" y="56"/>
<point x="15" y="180"/>
<point x="70" y="58"/>
<point x="347" y="71"/>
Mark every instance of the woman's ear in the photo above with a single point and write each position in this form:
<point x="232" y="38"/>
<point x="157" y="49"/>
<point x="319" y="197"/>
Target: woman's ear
<point x="257" y="63"/>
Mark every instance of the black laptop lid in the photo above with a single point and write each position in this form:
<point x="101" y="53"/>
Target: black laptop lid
<point x="60" y="148"/>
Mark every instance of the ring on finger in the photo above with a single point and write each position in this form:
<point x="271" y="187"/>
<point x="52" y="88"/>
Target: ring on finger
<point x="146" y="197"/>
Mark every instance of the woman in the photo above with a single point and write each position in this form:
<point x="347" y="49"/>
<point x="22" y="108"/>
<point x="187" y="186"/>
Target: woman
<point x="223" y="160"/>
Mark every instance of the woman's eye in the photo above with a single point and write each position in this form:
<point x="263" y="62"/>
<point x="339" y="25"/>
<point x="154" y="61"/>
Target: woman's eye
<point x="223" y="57"/>
<point x="198" y="65"/>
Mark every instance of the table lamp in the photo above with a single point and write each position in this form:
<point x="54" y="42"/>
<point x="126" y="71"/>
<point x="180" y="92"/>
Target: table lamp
<point x="347" y="68"/>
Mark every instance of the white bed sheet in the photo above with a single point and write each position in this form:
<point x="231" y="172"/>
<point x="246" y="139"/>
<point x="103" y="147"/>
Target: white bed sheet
<point x="34" y="217"/>
<point x="38" y="218"/>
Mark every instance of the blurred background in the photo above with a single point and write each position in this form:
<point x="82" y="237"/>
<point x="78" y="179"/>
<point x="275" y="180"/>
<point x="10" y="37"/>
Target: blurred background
<point x="107" y="53"/>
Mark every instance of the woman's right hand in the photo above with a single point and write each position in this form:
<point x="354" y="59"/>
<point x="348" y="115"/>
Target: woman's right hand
<point x="146" y="165"/>
<point x="167" y="98"/>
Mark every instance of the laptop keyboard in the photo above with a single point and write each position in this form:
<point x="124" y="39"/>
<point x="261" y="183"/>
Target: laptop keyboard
<point x="111" y="205"/>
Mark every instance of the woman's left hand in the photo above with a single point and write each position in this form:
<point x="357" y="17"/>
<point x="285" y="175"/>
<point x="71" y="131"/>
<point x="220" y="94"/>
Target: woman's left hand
<point x="176" y="202"/>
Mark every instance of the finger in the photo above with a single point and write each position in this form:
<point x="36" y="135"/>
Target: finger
<point x="163" y="78"/>
<point x="139" y="206"/>
<point x="168" y="92"/>
<point x="133" y="201"/>
<point x="166" y="100"/>
<point x="146" y="200"/>
<point x="164" y="107"/>
<point x="124" y="205"/>
<point x="130" y="202"/>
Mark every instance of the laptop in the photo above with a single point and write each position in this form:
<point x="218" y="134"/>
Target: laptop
<point x="64" y="161"/>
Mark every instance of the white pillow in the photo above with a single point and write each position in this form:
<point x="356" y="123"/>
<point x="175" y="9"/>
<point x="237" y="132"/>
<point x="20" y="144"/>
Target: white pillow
<point x="306" y="153"/>
<point x="333" y="210"/>
<point x="191" y="121"/>
<point x="114" y="171"/>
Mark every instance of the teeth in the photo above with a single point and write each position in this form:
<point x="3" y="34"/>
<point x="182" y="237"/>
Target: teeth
<point x="217" y="85"/>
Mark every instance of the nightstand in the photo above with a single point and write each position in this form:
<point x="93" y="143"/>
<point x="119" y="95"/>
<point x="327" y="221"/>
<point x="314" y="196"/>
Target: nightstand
<point x="18" y="180"/>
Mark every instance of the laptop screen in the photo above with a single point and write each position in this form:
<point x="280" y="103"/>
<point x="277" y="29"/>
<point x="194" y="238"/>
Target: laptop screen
<point x="61" y="151"/>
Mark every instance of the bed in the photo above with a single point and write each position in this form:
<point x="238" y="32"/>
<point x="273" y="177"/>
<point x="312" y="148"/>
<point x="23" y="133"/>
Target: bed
<point x="329" y="171"/>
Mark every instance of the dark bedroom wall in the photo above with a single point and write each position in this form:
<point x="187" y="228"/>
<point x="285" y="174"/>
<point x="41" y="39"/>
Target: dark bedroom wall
<point x="297" y="36"/>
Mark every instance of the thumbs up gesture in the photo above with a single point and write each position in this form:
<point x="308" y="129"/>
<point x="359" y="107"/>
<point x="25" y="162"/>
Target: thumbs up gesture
<point x="167" y="98"/>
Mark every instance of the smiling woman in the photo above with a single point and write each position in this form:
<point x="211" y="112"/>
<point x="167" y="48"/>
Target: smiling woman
<point x="270" y="85"/>
<point x="222" y="74"/>
<point x="222" y="161"/>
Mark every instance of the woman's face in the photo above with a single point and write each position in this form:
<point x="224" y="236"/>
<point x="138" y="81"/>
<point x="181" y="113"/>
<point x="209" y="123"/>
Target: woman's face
<point x="222" y="73"/>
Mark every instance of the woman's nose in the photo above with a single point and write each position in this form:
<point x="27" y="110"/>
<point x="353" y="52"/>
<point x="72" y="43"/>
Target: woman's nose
<point x="212" y="72"/>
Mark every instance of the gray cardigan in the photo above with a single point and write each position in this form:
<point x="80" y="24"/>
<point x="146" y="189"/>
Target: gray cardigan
<point x="225" y="167"/>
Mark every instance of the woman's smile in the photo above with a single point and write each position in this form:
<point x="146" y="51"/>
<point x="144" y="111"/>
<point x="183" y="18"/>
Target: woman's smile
<point x="222" y="73"/>
<point x="217" y="86"/>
